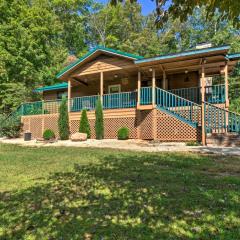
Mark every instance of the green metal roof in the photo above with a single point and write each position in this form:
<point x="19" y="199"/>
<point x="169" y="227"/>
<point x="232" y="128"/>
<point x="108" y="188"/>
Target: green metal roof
<point x="139" y="59"/>
<point x="123" y="54"/>
<point x="53" y="87"/>
<point x="183" y="54"/>
<point x="233" y="56"/>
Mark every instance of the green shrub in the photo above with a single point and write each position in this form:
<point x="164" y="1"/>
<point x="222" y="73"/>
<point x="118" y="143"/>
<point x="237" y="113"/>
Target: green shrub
<point x="84" y="124"/>
<point x="11" y="127"/>
<point x="123" y="133"/>
<point x="99" y="128"/>
<point x="63" y="122"/>
<point x="2" y="119"/>
<point x="192" y="143"/>
<point x="48" y="134"/>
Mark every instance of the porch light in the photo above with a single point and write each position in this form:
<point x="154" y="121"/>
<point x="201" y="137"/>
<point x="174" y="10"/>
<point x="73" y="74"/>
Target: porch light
<point x="186" y="71"/>
<point x="115" y="75"/>
<point x="150" y="69"/>
<point x="221" y="69"/>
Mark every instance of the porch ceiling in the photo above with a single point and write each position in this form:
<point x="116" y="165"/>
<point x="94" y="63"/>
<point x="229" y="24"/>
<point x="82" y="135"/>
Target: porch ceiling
<point x="108" y="76"/>
<point x="213" y="65"/>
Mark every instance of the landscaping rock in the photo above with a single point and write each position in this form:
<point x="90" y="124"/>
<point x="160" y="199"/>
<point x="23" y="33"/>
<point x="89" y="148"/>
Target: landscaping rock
<point x="79" y="137"/>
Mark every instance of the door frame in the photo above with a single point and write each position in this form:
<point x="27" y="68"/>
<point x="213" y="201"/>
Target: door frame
<point x="114" y="85"/>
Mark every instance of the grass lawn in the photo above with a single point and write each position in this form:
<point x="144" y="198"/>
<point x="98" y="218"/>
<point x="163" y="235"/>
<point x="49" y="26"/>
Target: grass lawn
<point x="77" y="193"/>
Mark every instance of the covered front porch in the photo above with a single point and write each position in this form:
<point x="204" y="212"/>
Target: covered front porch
<point x="121" y="80"/>
<point x="134" y="88"/>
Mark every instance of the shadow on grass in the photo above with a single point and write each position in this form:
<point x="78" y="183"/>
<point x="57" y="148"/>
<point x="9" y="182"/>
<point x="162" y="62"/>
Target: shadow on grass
<point x="127" y="197"/>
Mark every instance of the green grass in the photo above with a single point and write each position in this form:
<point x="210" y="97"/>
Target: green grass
<point x="76" y="193"/>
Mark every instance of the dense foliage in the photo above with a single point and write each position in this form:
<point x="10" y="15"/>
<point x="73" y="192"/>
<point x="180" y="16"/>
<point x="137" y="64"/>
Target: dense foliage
<point x="123" y="133"/>
<point x="229" y="10"/>
<point x="63" y="123"/>
<point x="10" y="127"/>
<point x="99" y="127"/>
<point x="48" y="134"/>
<point x="35" y="38"/>
<point x="84" y="124"/>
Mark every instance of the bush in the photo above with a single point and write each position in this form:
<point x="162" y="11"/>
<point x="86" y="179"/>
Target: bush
<point x="11" y="127"/>
<point x="48" y="134"/>
<point x="99" y="128"/>
<point x="2" y="119"/>
<point x="123" y="133"/>
<point x="192" y="143"/>
<point x="84" y="124"/>
<point x="63" y="123"/>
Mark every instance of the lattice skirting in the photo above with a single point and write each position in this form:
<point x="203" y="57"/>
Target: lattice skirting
<point x="111" y="126"/>
<point x="145" y="124"/>
<point x="169" y="128"/>
<point x="36" y="124"/>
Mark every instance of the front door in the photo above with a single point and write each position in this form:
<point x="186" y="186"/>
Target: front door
<point x="114" y="100"/>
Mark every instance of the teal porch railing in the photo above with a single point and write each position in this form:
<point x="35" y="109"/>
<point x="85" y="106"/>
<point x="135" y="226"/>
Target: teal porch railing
<point x="40" y="107"/>
<point x="233" y="122"/>
<point x="120" y="100"/>
<point x="184" y="109"/>
<point x="80" y="103"/>
<point x="146" y="95"/>
<point x="32" y="108"/>
<point x="192" y="94"/>
<point x="51" y="106"/>
<point x="214" y="94"/>
<point x="219" y="120"/>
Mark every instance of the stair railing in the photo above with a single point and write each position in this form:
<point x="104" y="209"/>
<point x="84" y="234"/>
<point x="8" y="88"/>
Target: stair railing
<point x="179" y="106"/>
<point x="220" y="120"/>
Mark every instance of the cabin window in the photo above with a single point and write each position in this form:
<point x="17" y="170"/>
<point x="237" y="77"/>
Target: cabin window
<point x="60" y="95"/>
<point x="114" y="88"/>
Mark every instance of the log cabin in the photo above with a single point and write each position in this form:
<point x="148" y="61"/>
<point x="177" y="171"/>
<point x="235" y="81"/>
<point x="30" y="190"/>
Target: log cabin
<point x="177" y="97"/>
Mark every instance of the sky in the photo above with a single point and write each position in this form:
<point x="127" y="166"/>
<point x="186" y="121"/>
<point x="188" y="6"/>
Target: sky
<point x="147" y="5"/>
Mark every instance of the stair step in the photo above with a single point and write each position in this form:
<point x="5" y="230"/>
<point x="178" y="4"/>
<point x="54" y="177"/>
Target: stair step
<point x="224" y="139"/>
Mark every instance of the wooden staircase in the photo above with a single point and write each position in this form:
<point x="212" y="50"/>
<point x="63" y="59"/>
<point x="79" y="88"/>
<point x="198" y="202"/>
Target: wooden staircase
<point x="181" y="108"/>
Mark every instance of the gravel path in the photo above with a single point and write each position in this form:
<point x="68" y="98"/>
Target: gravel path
<point x="135" y="145"/>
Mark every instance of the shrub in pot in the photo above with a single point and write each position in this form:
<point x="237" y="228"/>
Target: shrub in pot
<point x="48" y="134"/>
<point x="123" y="133"/>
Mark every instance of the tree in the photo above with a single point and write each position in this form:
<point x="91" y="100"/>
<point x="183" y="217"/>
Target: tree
<point x="35" y="38"/>
<point x="99" y="127"/>
<point x="84" y="124"/>
<point x="11" y="96"/>
<point x="72" y="15"/>
<point x="31" y="49"/>
<point x="63" y="120"/>
<point x="229" y="10"/>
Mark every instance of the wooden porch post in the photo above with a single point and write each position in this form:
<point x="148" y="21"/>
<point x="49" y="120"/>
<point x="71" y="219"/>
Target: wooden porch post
<point x="165" y="83"/>
<point x="203" y="82"/>
<point x="101" y="86"/>
<point x="226" y="94"/>
<point x="226" y="84"/>
<point x="139" y="89"/>
<point x="153" y="86"/>
<point x="69" y="95"/>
